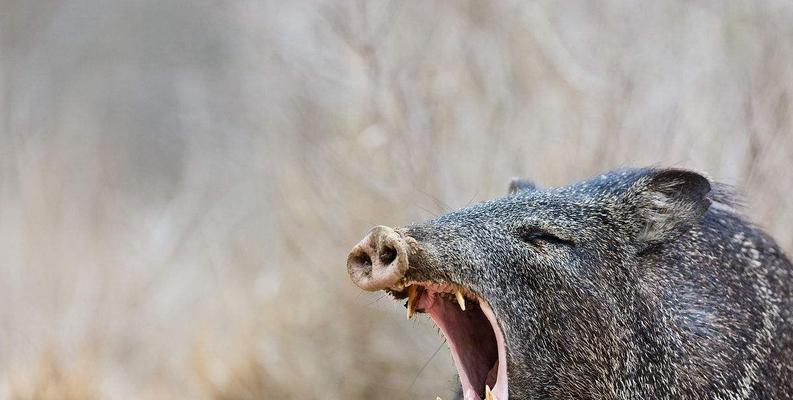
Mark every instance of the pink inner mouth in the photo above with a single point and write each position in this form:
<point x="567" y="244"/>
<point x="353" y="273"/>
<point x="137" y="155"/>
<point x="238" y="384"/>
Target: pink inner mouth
<point x="475" y="339"/>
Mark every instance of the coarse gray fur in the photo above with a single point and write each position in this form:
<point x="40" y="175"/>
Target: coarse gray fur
<point x="636" y="284"/>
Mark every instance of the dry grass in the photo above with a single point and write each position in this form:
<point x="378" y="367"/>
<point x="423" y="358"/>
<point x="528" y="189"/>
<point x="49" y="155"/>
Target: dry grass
<point x="51" y="378"/>
<point x="180" y="181"/>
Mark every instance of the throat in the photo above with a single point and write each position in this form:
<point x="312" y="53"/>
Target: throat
<point x="472" y="342"/>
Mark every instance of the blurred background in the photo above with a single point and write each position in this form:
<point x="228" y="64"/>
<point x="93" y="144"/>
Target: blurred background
<point x="181" y="181"/>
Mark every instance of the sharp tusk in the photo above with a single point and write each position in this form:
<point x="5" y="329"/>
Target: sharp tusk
<point x="460" y="298"/>
<point x="488" y="394"/>
<point x="411" y="300"/>
<point x="438" y="398"/>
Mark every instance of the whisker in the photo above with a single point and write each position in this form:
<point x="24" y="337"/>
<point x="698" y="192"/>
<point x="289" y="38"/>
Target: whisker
<point x="423" y="367"/>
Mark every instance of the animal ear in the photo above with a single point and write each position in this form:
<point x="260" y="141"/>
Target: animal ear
<point x="518" y="185"/>
<point x="668" y="202"/>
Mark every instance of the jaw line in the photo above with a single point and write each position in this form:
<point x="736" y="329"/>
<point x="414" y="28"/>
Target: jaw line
<point x="500" y="390"/>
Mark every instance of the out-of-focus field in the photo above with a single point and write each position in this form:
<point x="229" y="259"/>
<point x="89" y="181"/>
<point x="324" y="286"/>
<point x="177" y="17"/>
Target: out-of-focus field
<point x="180" y="181"/>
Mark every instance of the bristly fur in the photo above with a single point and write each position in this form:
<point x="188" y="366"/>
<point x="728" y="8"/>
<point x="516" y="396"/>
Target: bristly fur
<point x="663" y="290"/>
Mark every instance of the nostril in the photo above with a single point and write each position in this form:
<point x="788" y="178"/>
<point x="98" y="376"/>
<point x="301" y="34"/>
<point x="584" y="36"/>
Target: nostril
<point x="388" y="255"/>
<point x="362" y="260"/>
<point x="379" y="261"/>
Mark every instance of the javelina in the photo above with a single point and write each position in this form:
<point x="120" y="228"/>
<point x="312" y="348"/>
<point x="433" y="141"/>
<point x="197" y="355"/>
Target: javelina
<point x="636" y="284"/>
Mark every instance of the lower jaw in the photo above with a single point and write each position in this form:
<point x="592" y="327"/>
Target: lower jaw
<point x="500" y="389"/>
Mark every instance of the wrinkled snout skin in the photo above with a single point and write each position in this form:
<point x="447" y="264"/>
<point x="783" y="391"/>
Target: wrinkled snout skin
<point x="629" y="285"/>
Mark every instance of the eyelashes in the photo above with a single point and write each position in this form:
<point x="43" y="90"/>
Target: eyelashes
<point x="537" y="237"/>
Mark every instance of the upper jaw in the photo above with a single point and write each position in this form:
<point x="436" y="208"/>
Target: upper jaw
<point x="411" y="291"/>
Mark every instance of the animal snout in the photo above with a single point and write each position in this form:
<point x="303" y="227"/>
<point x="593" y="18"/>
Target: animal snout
<point x="379" y="261"/>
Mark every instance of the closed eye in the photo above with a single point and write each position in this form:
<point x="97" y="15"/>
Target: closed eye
<point x="536" y="236"/>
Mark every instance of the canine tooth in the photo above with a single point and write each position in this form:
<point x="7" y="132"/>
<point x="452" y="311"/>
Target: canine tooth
<point x="460" y="298"/>
<point x="411" y="301"/>
<point x="488" y="394"/>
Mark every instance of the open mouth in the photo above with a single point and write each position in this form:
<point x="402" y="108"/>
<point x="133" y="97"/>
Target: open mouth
<point x="472" y="332"/>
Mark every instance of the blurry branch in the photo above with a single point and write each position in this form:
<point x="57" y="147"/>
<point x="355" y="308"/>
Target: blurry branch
<point x="555" y="51"/>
